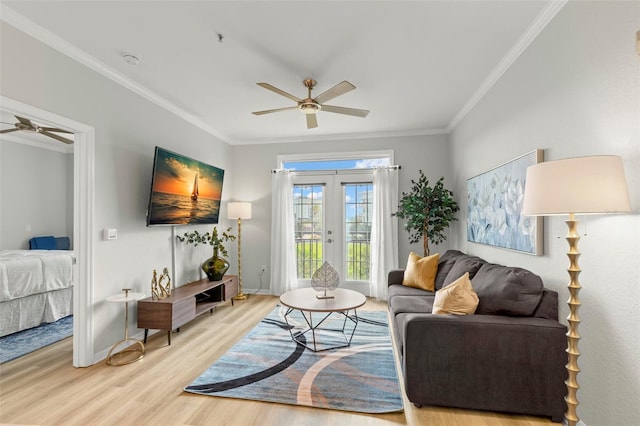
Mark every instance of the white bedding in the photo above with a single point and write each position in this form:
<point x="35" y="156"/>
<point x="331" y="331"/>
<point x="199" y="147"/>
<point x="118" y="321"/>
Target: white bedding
<point x="28" y="272"/>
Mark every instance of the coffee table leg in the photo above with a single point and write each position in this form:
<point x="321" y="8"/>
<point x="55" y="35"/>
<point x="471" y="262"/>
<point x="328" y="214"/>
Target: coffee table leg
<point x="312" y="328"/>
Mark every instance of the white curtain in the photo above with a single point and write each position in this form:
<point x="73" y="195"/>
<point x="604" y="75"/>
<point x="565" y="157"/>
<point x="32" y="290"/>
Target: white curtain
<point x="283" y="256"/>
<point x="384" y="230"/>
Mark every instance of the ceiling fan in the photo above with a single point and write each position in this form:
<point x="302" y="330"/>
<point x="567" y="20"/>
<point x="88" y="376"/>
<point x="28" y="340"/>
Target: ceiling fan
<point x="311" y="106"/>
<point x="27" y="125"/>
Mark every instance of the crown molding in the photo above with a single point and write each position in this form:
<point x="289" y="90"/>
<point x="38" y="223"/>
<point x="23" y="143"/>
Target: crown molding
<point x="29" y="27"/>
<point x="541" y="21"/>
<point x="344" y="136"/>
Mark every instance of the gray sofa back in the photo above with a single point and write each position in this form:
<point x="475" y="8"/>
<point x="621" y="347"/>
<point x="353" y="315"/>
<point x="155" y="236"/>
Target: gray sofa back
<point x="502" y="290"/>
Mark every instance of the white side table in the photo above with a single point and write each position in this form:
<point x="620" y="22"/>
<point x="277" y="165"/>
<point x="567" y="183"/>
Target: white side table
<point x="137" y="347"/>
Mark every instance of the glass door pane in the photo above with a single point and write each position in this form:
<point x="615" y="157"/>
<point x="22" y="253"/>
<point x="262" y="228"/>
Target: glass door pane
<point x="358" y="211"/>
<point x="308" y="208"/>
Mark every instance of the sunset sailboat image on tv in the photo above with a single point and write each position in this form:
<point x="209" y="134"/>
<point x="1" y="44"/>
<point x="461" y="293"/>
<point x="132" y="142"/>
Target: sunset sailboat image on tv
<point x="194" y="193"/>
<point x="183" y="190"/>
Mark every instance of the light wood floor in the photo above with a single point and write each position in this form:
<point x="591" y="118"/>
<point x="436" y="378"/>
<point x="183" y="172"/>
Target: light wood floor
<point x="44" y="389"/>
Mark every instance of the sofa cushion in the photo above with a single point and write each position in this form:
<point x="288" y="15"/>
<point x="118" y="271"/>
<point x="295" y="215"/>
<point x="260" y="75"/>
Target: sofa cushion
<point x="403" y="290"/>
<point x="411" y="304"/>
<point x="447" y="260"/>
<point x="548" y="306"/>
<point x="465" y="263"/>
<point x="506" y="290"/>
<point x="457" y="298"/>
<point x="421" y="271"/>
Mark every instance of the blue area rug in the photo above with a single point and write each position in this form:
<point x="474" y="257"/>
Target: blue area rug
<point x="23" y="342"/>
<point x="266" y="365"/>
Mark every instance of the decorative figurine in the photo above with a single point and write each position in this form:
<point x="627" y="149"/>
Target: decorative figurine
<point x="154" y="286"/>
<point x="325" y="278"/>
<point x="165" y="291"/>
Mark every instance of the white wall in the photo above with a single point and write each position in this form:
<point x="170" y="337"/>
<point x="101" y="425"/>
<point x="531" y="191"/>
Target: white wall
<point x="575" y="91"/>
<point x="36" y="190"/>
<point x="127" y="128"/>
<point x="252" y="165"/>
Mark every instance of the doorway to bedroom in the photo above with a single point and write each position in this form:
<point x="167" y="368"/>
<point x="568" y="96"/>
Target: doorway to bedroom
<point x="36" y="295"/>
<point x="76" y="202"/>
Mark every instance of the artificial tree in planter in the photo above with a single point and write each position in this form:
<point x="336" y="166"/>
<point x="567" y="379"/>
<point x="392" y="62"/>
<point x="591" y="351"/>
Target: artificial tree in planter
<point x="428" y="211"/>
<point x="216" y="266"/>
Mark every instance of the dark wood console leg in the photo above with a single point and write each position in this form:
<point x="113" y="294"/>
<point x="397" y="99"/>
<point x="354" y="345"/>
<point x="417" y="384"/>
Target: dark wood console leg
<point x="146" y="333"/>
<point x="169" y="337"/>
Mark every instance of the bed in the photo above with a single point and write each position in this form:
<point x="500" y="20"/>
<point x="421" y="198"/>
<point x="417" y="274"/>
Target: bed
<point x="36" y="286"/>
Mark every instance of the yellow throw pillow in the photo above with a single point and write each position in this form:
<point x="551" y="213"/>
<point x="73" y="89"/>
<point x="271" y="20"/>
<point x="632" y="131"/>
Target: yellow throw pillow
<point x="421" y="271"/>
<point x="457" y="298"/>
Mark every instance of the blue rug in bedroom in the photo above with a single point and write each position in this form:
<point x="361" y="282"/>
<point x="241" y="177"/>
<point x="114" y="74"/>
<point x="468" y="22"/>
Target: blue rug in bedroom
<point x="23" y="342"/>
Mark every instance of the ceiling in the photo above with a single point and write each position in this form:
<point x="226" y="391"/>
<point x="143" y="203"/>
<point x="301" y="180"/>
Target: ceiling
<point x="419" y="66"/>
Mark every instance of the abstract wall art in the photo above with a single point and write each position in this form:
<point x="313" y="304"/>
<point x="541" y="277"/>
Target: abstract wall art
<point x="494" y="206"/>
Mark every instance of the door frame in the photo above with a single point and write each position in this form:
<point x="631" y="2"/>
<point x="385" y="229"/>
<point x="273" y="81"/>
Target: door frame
<point x="83" y="221"/>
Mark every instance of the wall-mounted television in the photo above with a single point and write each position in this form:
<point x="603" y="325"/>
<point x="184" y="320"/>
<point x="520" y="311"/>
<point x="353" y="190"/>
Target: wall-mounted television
<point x="183" y="190"/>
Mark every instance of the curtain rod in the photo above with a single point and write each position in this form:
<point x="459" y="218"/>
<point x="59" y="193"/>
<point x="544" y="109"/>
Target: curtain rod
<point x="394" y="167"/>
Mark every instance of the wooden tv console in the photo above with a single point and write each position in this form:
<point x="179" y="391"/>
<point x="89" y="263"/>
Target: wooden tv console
<point x="185" y="304"/>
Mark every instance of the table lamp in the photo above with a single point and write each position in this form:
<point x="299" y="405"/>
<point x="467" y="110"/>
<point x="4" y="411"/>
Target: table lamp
<point x="582" y="185"/>
<point x="239" y="210"/>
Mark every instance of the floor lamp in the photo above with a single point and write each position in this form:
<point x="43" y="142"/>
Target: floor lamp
<point x="582" y="185"/>
<point x="239" y="210"/>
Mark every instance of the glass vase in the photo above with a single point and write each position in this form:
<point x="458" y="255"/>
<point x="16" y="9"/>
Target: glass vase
<point x="215" y="267"/>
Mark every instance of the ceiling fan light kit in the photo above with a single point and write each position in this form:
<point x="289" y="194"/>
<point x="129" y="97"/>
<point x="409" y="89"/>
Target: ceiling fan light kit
<point x="311" y="106"/>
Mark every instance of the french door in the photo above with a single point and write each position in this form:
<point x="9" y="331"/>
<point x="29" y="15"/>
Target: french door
<point x="332" y="217"/>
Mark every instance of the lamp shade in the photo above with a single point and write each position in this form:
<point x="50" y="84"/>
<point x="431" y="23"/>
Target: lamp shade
<point x="239" y="210"/>
<point x="580" y="185"/>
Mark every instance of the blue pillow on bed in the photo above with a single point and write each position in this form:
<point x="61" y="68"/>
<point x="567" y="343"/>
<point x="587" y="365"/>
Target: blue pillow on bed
<point x="62" y="243"/>
<point x="42" y="243"/>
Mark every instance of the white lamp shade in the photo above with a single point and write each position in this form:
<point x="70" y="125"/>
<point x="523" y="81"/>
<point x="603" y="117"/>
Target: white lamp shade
<point x="580" y="185"/>
<point x="239" y="210"/>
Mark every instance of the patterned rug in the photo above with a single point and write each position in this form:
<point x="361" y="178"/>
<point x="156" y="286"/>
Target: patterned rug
<point x="15" y="345"/>
<point x="266" y="365"/>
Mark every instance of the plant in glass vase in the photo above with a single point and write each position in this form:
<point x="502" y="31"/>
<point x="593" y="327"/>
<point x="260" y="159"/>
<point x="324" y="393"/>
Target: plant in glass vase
<point x="216" y="266"/>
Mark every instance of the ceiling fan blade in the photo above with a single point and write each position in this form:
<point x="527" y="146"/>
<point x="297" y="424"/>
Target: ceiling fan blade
<point x="54" y="129"/>
<point x="269" y="111"/>
<point x="56" y="137"/>
<point x="280" y="92"/>
<point x="348" y="111"/>
<point x="25" y="121"/>
<point x="312" y="121"/>
<point x="335" y="91"/>
<point x="9" y="130"/>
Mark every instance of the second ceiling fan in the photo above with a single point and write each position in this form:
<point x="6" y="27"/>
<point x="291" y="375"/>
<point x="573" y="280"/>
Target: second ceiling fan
<point x="311" y="106"/>
<point x="24" y="124"/>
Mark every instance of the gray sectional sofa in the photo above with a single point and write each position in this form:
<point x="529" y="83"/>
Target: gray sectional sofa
<point x="509" y="356"/>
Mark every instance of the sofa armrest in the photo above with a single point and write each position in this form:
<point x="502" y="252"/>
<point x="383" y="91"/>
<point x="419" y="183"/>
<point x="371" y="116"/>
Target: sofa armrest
<point x="486" y="362"/>
<point x="395" y="276"/>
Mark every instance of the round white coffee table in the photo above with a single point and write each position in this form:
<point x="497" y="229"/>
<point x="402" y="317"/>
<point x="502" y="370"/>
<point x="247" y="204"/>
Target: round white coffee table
<point x="305" y="301"/>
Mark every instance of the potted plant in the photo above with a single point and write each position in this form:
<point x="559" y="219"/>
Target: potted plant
<point x="216" y="266"/>
<point x="428" y="211"/>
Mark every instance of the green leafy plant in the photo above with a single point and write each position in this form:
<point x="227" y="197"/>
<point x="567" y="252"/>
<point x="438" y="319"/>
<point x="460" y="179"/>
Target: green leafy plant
<point x="213" y="239"/>
<point x="428" y="211"/>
